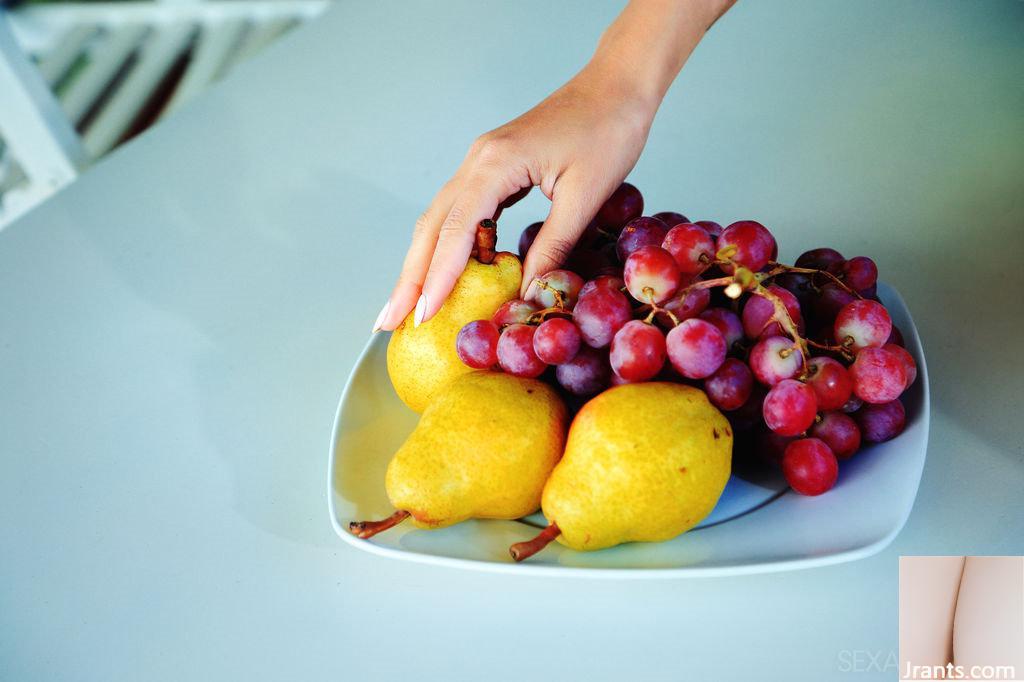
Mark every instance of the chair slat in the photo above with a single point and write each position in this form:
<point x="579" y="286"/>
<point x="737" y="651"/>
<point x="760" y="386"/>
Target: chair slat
<point x="214" y="48"/>
<point x="105" y="61"/>
<point x="157" y="56"/>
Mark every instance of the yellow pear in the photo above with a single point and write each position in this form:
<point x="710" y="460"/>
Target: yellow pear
<point x="422" y="360"/>
<point x="643" y="463"/>
<point x="482" y="449"/>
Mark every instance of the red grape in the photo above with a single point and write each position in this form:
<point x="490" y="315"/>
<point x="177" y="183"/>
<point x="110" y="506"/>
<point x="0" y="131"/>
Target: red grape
<point x="696" y="348"/>
<point x="750" y="413"/>
<point x="840" y="432"/>
<point x="881" y="422"/>
<point x="691" y="246"/>
<point x="727" y="322"/>
<point x="527" y="237"/>
<point x="863" y="324"/>
<point x="515" y="352"/>
<point x="616" y="380"/>
<point x="590" y="238"/>
<point x="602" y="281"/>
<point x="789" y="407"/>
<point x="798" y="284"/>
<point x="515" y="311"/>
<point x="754" y="244"/>
<point x="671" y="218"/>
<point x="831" y="383"/>
<point x="637" y="351"/>
<point x="639" y="232"/>
<point x="853" y="404"/>
<point x="600" y="314"/>
<point x="586" y="374"/>
<point x="651" y="274"/>
<point x="685" y="307"/>
<point x="819" y="259"/>
<point x="587" y="262"/>
<point x="878" y="375"/>
<point x="774" y="359"/>
<point x="567" y="284"/>
<point x="810" y="466"/>
<point x="909" y="366"/>
<point x="556" y="341"/>
<point x="829" y="302"/>
<point x="896" y="337"/>
<point x="477" y="344"/>
<point x="771" y="447"/>
<point x="623" y="205"/>
<point x="758" y="313"/>
<point x="730" y="386"/>
<point x="859" y="273"/>
<point x="711" y="227"/>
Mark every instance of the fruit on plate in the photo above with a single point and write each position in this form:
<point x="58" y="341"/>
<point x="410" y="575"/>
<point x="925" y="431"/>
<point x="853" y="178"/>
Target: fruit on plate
<point x="422" y="359"/>
<point x="643" y="462"/>
<point x="482" y="449"/>
<point x="787" y="352"/>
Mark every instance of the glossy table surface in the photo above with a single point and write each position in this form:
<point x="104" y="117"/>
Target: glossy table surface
<point x="176" y="327"/>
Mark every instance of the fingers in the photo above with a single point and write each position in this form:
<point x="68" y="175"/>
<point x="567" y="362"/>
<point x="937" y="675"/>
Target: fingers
<point x="512" y="201"/>
<point x="417" y="260"/>
<point x="572" y="207"/>
<point x="478" y="200"/>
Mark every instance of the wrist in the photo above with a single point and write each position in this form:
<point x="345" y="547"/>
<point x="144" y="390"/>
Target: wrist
<point x="644" y="49"/>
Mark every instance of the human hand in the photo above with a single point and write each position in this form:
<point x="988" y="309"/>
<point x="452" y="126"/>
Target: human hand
<point x="577" y="146"/>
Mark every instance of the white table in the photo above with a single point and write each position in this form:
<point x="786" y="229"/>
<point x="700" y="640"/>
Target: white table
<point x="175" y="329"/>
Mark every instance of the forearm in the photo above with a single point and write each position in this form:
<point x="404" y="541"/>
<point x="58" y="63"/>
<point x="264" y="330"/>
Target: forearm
<point x="646" y="46"/>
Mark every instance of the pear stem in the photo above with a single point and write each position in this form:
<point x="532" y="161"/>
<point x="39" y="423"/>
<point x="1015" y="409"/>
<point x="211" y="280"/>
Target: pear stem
<point x="486" y="238"/>
<point x="525" y="550"/>
<point x="367" y="529"/>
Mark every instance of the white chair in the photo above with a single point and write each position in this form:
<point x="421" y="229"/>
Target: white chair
<point x="103" y="71"/>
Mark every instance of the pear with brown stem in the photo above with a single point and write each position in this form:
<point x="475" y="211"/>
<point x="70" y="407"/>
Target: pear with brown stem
<point x="482" y="449"/>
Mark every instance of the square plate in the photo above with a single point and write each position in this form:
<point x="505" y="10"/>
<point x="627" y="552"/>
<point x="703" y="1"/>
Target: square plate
<point x="759" y="525"/>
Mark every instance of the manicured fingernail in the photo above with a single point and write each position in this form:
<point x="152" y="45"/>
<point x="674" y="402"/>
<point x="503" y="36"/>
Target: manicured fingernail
<point x="530" y="289"/>
<point x="421" y="310"/>
<point x="380" y="316"/>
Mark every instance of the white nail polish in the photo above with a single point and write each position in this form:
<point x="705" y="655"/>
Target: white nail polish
<point x="530" y="290"/>
<point x="421" y="310"/>
<point x="380" y="316"/>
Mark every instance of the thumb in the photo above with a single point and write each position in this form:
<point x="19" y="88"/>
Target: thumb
<point x="572" y="208"/>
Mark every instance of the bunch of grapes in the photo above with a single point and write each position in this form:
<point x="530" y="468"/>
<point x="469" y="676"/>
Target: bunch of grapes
<point x="803" y="359"/>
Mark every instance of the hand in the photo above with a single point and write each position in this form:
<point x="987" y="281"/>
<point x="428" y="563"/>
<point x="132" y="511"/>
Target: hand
<point x="577" y="146"/>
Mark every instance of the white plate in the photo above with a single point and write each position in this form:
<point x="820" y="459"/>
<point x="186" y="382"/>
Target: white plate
<point x="757" y="526"/>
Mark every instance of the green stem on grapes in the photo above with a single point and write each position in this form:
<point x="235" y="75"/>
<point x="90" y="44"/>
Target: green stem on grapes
<point x="781" y="315"/>
<point x="542" y="314"/>
<point x="842" y="350"/>
<point x="780" y="268"/>
<point x="655" y="309"/>
<point x="558" y="293"/>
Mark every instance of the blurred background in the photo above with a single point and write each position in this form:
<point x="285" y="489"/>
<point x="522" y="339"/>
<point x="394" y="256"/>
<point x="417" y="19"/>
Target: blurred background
<point x="79" y="78"/>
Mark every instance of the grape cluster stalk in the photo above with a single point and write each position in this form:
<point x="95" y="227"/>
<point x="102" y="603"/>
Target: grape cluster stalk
<point x="803" y="359"/>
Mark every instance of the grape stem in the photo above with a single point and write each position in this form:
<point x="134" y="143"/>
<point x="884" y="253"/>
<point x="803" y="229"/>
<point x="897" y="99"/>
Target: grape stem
<point x="841" y="349"/>
<point x="785" y="320"/>
<point x="558" y="293"/>
<point x="543" y="314"/>
<point x="655" y="309"/>
<point x="525" y="550"/>
<point x="780" y="268"/>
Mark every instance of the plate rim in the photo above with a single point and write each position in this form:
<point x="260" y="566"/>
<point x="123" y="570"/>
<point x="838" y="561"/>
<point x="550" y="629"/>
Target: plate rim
<point x="528" y="569"/>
